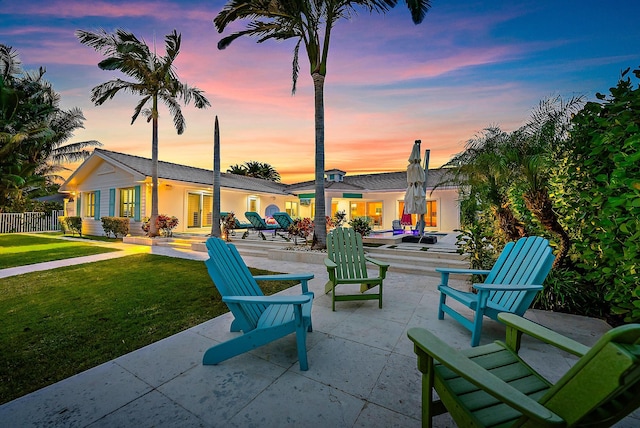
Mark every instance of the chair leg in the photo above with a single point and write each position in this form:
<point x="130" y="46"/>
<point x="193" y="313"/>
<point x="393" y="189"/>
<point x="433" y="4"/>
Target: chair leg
<point x="443" y="301"/>
<point x="477" y="328"/>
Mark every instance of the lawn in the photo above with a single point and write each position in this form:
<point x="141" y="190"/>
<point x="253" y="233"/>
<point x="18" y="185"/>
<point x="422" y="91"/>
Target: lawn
<point x="20" y="250"/>
<point x="63" y="321"/>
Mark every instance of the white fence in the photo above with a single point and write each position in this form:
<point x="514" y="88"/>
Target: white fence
<point x="29" y="222"/>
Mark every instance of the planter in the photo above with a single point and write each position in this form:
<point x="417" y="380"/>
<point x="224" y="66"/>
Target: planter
<point x="297" y="256"/>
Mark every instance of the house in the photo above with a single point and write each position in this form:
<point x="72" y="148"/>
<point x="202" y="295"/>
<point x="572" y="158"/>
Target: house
<point x="116" y="184"/>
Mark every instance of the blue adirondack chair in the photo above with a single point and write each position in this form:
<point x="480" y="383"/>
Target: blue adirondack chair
<point x="510" y="286"/>
<point x="262" y="319"/>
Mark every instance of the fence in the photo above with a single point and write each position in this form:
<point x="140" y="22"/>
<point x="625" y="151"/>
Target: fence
<point x="29" y="222"/>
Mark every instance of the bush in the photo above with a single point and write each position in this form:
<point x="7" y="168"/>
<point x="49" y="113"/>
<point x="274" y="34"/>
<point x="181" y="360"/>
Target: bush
<point x="337" y="220"/>
<point x="228" y="224"/>
<point x="164" y="223"/>
<point x="115" y="225"/>
<point x="71" y="224"/>
<point x="301" y="227"/>
<point x="362" y="225"/>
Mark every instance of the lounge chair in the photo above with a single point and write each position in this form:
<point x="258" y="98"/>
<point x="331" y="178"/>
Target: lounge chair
<point x="238" y="225"/>
<point x="259" y="225"/>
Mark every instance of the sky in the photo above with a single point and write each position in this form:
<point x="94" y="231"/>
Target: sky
<point x="470" y="64"/>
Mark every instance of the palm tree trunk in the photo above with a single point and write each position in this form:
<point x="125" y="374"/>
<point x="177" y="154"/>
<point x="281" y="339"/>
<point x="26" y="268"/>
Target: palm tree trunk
<point x="509" y="224"/>
<point x="319" y="222"/>
<point x="215" y="226"/>
<point x="153" y="227"/>
<point x="540" y="205"/>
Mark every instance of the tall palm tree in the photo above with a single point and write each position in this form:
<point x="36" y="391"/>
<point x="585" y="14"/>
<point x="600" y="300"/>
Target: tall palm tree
<point x="531" y="156"/>
<point x="154" y="79"/>
<point x="311" y="23"/>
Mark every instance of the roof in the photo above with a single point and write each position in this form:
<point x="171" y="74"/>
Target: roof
<point x="173" y="171"/>
<point x="380" y="182"/>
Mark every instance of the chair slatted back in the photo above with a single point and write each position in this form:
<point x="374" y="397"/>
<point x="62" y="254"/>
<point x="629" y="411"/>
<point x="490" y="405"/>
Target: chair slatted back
<point x="232" y="277"/>
<point x="283" y="219"/>
<point x="604" y="385"/>
<point x="256" y="220"/>
<point x="527" y="261"/>
<point x="345" y="249"/>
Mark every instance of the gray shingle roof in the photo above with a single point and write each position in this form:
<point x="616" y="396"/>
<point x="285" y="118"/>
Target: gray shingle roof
<point x="172" y="171"/>
<point x="381" y="182"/>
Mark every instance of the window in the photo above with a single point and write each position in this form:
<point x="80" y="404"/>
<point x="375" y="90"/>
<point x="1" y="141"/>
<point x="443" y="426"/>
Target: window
<point x="431" y="219"/>
<point x="90" y="208"/>
<point x="291" y="208"/>
<point x="127" y="202"/>
<point x="252" y="204"/>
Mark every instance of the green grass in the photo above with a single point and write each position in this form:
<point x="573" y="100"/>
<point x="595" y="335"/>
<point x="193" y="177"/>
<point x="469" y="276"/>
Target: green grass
<point x="20" y="250"/>
<point x="60" y="322"/>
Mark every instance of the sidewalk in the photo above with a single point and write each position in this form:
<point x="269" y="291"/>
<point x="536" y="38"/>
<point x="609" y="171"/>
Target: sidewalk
<point x="362" y="369"/>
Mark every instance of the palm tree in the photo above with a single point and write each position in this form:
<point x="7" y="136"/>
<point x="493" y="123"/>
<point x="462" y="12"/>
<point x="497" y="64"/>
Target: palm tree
<point x="531" y="156"/>
<point x="237" y="170"/>
<point x="311" y="23"/>
<point x="255" y="169"/>
<point x="154" y="79"/>
<point x="483" y="168"/>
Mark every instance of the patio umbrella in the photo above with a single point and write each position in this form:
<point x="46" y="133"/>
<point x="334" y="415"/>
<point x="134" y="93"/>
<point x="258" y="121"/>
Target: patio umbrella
<point x="414" y="199"/>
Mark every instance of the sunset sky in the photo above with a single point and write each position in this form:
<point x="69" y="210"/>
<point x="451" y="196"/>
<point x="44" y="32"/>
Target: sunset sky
<point x="470" y="64"/>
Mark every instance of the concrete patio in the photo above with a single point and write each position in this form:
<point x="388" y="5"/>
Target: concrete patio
<point x="362" y="369"/>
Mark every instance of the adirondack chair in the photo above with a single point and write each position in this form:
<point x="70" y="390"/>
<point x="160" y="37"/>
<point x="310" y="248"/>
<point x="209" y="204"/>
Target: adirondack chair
<point x="259" y="225"/>
<point x="510" y="286"/>
<point x="262" y="319"/>
<point x="491" y="385"/>
<point x="347" y="264"/>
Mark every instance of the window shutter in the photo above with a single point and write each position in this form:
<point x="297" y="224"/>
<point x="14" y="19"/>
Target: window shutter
<point x="112" y="202"/>
<point x="78" y="206"/>
<point x="96" y="209"/>
<point x="136" y="207"/>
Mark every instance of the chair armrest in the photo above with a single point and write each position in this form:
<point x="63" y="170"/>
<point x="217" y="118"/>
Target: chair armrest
<point x="302" y="277"/>
<point x="329" y="263"/>
<point x="427" y="344"/>
<point x="269" y="300"/>
<point x="444" y="273"/>
<point x="506" y="287"/>
<point x="377" y="262"/>
<point x="516" y="326"/>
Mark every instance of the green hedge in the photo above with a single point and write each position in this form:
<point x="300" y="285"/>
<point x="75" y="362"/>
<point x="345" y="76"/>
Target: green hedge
<point x="70" y="224"/>
<point x="115" y="225"/>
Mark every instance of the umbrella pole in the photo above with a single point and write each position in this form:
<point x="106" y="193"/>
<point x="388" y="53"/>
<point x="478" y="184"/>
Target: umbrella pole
<point x="424" y="188"/>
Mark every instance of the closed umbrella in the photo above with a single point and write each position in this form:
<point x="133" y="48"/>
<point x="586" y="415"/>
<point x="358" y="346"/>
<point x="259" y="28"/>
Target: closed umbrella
<point x="415" y="198"/>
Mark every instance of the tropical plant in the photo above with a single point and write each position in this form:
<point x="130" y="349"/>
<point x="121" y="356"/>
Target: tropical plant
<point x="255" y="169"/>
<point x="601" y="194"/>
<point x="154" y="79"/>
<point x="34" y="132"/>
<point x="301" y="228"/>
<point x="310" y="22"/>
<point x="228" y="224"/>
<point x="362" y="225"/>
<point x="164" y="224"/>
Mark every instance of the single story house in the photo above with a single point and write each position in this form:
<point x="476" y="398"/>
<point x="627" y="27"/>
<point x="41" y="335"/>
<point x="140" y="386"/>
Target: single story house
<point x="116" y="184"/>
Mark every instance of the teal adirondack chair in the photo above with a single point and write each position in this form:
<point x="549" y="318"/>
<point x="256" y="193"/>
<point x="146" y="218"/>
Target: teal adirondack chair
<point x="347" y="264"/>
<point x="491" y="385"/>
<point x="262" y="319"/>
<point x="510" y="286"/>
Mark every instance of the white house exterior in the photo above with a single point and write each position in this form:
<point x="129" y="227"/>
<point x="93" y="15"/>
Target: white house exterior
<point x="119" y="185"/>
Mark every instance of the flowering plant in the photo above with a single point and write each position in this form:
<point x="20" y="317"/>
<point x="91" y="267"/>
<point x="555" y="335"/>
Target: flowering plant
<point x="228" y="224"/>
<point x="164" y="223"/>
<point x="301" y="227"/>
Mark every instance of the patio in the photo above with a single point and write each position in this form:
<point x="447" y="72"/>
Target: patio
<point x="362" y="369"/>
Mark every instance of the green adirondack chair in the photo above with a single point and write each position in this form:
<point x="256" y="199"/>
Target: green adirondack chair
<point x="262" y="319"/>
<point x="510" y="286"/>
<point x="491" y="385"/>
<point x="347" y="264"/>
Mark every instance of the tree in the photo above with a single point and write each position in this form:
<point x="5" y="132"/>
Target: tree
<point x="311" y="23"/>
<point x="255" y="169"/>
<point x="34" y="132"/>
<point x="154" y="79"/>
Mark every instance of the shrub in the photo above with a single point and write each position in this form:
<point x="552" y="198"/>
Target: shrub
<point x="71" y="224"/>
<point x="301" y="227"/>
<point x="115" y="225"/>
<point x="228" y="224"/>
<point x="164" y="223"/>
<point x="362" y="225"/>
<point x="337" y="220"/>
